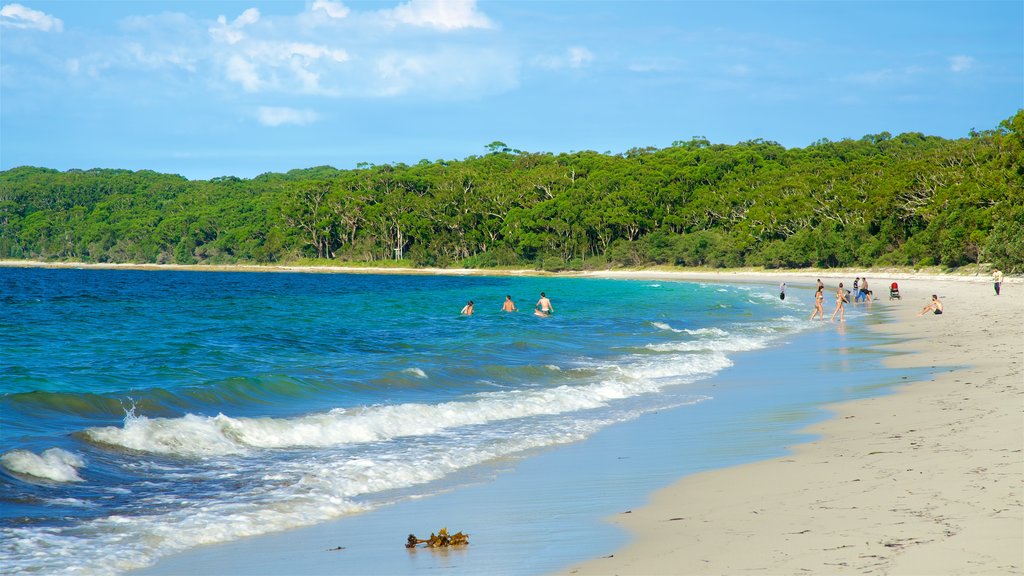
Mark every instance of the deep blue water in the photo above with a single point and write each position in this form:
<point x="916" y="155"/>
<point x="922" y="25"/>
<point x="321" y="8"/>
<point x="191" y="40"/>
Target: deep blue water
<point x="146" y="413"/>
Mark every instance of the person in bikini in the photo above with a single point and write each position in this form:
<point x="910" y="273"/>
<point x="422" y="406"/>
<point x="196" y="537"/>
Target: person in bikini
<point x="840" y="305"/>
<point x="935" y="305"/>
<point x="819" y="299"/>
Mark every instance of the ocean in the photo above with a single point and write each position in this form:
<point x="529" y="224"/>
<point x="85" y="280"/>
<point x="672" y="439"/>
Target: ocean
<point x="149" y="413"/>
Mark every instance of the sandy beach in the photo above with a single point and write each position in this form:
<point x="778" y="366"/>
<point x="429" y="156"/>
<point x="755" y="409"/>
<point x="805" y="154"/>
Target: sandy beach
<point x="924" y="481"/>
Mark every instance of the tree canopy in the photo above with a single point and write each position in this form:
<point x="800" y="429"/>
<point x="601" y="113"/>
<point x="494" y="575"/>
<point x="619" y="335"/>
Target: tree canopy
<point x="907" y="199"/>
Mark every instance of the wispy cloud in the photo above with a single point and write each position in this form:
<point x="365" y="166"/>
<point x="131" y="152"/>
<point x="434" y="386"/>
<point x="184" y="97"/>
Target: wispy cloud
<point x="18" y="16"/>
<point x="960" y="63"/>
<point x="281" y="115"/>
<point x="331" y="9"/>
<point x="872" y="77"/>
<point x="232" y="32"/>
<point x="440" y="14"/>
<point x="573" y="57"/>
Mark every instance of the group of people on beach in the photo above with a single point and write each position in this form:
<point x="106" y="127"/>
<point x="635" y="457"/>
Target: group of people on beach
<point x="542" y="308"/>
<point x="863" y="294"/>
<point x="860" y="291"/>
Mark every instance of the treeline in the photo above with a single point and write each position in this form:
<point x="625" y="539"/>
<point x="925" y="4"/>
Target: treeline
<point x="910" y="200"/>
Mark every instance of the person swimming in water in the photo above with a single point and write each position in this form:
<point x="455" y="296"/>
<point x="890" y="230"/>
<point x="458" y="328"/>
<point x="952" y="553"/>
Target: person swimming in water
<point x="543" y="307"/>
<point x="467" y="310"/>
<point x="509" y="305"/>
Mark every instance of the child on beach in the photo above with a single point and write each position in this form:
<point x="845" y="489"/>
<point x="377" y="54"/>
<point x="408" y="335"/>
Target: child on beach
<point x="840" y="308"/>
<point x="997" y="279"/>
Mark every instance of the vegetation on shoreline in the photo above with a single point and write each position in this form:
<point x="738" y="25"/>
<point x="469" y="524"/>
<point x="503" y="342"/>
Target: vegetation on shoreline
<point x="906" y="200"/>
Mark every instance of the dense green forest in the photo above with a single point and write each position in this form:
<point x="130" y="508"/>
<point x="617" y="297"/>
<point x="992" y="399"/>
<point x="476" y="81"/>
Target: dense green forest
<point x="910" y="200"/>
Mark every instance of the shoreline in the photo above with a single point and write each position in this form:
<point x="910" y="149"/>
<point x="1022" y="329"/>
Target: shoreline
<point x="926" y="480"/>
<point x="746" y="275"/>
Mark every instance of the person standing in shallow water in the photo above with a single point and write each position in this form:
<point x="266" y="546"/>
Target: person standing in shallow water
<point x="819" y="304"/>
<point x="467" y="310"/>
<point x="840" y="308"/>
<point x="543" y="307"/>
<point x="509" y="305"/>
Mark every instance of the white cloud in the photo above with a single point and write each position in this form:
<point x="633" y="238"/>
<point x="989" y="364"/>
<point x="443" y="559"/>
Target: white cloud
<point x="960" y="63"/>
<point x="440" y="14"/>
<point x="332" y="9"/>
<point x="280" y="115"/>
<point x="573" y="57"/>
<point x="18" y="16"/>
<point x="232" y="33"/>
<point x="283" y="66"/>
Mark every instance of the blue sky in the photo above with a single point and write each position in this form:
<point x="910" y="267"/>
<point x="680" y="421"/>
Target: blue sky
<point x="239" y="88"/>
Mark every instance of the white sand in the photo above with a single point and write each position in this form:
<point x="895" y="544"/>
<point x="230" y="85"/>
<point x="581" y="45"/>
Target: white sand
<point x="925" y="481"/>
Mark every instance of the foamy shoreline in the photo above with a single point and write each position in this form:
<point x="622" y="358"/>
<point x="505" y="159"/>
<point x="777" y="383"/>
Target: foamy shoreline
<point x="924" y="481"/>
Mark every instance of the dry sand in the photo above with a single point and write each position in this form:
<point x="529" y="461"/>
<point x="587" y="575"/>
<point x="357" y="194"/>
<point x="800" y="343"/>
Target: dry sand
<point x="925" y="481"/>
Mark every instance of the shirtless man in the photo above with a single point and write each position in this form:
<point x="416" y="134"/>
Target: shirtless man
<point x="543" y="307"/>
<point x="935" y="305"/>
<point x="509" y="306"/>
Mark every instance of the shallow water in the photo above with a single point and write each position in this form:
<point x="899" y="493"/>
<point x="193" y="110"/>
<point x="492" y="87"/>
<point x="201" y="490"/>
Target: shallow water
<point x="147" y="413"/>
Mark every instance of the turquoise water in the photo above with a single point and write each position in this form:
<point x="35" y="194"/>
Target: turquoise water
<point x="148" y="413"/>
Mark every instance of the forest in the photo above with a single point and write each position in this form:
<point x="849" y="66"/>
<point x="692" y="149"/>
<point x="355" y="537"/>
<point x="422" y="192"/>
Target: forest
<point x="883" y="200"/>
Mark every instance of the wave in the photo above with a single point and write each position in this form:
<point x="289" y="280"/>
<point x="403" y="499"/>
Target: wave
<point x="691" y="331"/>
<point x="54" y="464"/>
<point x="199" y="436"/>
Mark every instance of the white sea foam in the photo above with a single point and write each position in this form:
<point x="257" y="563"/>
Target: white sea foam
<point x="53" y="464"/>
<point x="729" y="344"/>
<point x="199" y="436"/>
<point x="417" y="372"/>
<point x="300" y="492"/>
<point x="664" y="326"/>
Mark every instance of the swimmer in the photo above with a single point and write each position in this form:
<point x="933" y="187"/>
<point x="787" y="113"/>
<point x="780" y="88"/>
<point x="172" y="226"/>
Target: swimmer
<point x="543" y="307"/>
<point x="467" y="310"/>
<point x="509" y="305"/>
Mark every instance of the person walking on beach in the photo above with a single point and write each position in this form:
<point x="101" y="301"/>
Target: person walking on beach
<point x="856" y="292"/>
<point x="997" y="279"/>
<point x="936" y="306"/>
<point x="819" y="303"/>
<point x="864" y="290"/>
<point x="543" y="307"/>
<point x="821" y="285"/>
<point x="467" y="310"/>
<point x="840" y="308"/>
<point x="509" y="305"/>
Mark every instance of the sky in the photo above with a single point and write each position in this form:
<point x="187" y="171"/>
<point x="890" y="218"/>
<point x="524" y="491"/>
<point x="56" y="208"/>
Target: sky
<point x="239" y="88"/>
